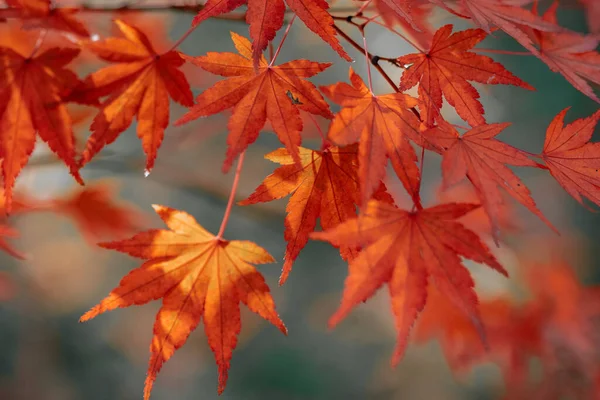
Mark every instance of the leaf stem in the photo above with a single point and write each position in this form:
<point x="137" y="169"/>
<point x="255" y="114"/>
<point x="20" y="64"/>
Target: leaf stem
<point x="394" y="31"/>
<point x="38" y="43"/>
<point x="234" y="186"/>
<point x="421" y="163"/>
<point x="183" y="37"/>
<point x="368" y="60"/>
<point x="375" y="61"/>
<point x="363" y="8"/>
<point x="285" y="35"/>
<point x="271" y="50"/>
<point x="325" y="143"/>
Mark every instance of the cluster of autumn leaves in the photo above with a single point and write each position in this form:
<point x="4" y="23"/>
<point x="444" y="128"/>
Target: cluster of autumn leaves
<point x="417" y="253"/>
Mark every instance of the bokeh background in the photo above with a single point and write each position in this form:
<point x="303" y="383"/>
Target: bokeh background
<point x="45" y="354"/>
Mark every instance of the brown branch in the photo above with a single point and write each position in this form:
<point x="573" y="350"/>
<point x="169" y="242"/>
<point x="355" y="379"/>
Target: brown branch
<point x="135" y="6"/>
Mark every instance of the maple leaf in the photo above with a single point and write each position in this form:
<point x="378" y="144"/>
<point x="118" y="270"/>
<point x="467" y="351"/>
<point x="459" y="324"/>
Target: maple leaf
<point x="139" y="84"/>
<point x="412" y="12"/>
<point x="512" y="332"/>
<point x="325" y="187"/>
<point x="266" y="18"/>
<point x="480" y="157"/>
<point x="382" y="125"/>
<point x="571" y="54"/>
<point x="95" y="212"/>
<point x="557" y="326"/>
<point x="571" y="159"/>
<point x="31" y="100"/>
<point x="478" y="220"/>
<point x="197" y="275"/>
<point x="569" y="329"/>
<point x="406" y="250"/>
<point x="447" y="67"/>
<point x="507" y="15"/>
<point x="42" y="14"/>
<point x="258" y="96"/>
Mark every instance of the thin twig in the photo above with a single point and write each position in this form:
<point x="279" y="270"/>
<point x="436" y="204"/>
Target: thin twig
<point x="324" y="141"/>
<point x="285" y="35"/>
<point x="368" y="60"/>
<point x="38" y="42"/>
<point x="234" y="186"/>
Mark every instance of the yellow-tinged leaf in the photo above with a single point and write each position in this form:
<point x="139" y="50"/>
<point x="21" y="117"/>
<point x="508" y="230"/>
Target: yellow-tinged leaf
<point x="197" y="275"/>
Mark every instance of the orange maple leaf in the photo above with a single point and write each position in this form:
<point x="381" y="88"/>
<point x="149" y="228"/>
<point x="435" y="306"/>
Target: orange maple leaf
<point x="31" y="100"/>
<point x="480" y="157"/>
<point x="447" y="67"/>
<point x="382" y="125"/>
<point x="325" y="187"/>
<point x="266" y="18"/>
<point x="572" y="160"/>
<point x="258" y="96"/>
<point x="96" y="214"/>
<point x="406" y="249"/>
<point x="42" y="14"/>
<point x="139" y="84"/>
<point x="197" y="275"/>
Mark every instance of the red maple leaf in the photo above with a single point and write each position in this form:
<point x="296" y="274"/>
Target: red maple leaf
<point x="558" y="326"/>
<point x="266" y="18"/>
<point x="512" y="332"/>
<point x="571" y="54"/>
<point x="382" y="126"/>
<point x="509" y="16"/>
<point x="42" y="14"/>
<point x="412" y="14"/>
<point x="447" y="67"/>
<point x="572" y="160"/>
<point x="480" y="157"/>
<point x="410" y="250"/>
<point x="257" y="96"/>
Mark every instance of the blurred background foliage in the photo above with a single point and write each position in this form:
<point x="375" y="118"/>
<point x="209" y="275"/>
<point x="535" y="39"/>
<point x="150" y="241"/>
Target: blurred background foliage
<point x="47" y="355"/>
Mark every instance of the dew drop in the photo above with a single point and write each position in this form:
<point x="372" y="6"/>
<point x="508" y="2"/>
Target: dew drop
<point x="146" y="173"/>
<point x="94" y="37"/>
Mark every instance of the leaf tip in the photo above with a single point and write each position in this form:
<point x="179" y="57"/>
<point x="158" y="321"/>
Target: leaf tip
<point x="88" y="315"/>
